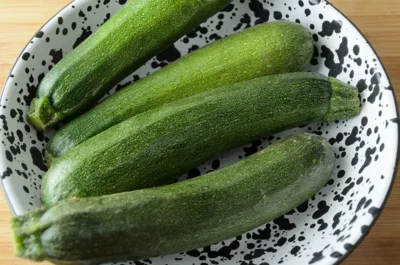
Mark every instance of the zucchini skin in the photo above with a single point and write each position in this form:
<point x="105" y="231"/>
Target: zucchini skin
<point x="266" y="49"/>
<point x="139" y="31"/>
<point x="155" y="147"/>
<point x="181" y="216"/>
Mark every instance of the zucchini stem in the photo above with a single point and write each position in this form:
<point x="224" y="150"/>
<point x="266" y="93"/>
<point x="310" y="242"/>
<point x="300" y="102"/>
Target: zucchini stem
<point x="345" y="102"/>
<point x="27" y="230"/>
<point x="42" y="115"/>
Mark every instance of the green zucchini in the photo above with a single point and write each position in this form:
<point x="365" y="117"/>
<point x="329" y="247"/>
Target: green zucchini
<point x="155" y="147"/>
<point x="181" y="216"/>
<point x="266" y="49"/>
<point x="131" y="37"/>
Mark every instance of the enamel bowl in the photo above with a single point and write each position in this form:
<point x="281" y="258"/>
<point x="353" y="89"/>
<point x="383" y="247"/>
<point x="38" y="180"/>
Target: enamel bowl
<point x="323" y="230"/>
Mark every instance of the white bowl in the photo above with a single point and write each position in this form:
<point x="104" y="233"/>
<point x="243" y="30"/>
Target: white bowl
<point x="321" y="231"/>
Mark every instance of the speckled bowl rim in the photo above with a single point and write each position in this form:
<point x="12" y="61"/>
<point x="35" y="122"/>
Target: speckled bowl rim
<point x="396" y="166"/>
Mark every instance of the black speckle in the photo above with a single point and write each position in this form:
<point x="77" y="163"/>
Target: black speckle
<point x="26" y="56"/>
<point x="108" y="16"/>
<point x="317" y="256"/>
<point x="228" y="8"/>
<point x="6" y="173"/>
<point x="348" y="247"/>
<point x="260" y="13"/>
<point x="314" y="2"/>
<point x="26" y="189"/>
<point x="295" y="250"/>
<point x="348" y="188"/>
<point x="352" y="138"/>
<point x="85" y="34"/>
<point x="215" y="164"/>
<point x="39" y="34"/>
<point x="323" y="208"/>
<point x="224" y="251"/>
<point x="281" y="241"/>
<point x="10" y="137"/>
<point x="336" y="219"/>
<point x="376" y="78"/>
<point x="343" y="50"/>
<point x="60" y="21"/>
<point x="195" y="47"/>
<point x="82" y="14"/>
<point x="353" y="219"/>
<point x="359" y="180"/>
<point x="382" y="147"/>
<point x="284" y="223"/>
<point x="374" y="94"/>
<point x="322" y="224"/>
<point x="356" y="49"/>
<point x="354" y="161"/>
<point x="37" y="158"/>
<point x="57" y="55"/>
<point x="20" y="135"/>
<point x="9" y="156"/>
<point x="358" y="61"/>
<point x="253" y="148"/>
<point x="314" y="60"/>
<point x="302" y="207"/>
<point x="170" y="54"/>
<point x="13" y="113"/>
<point x="40" y="77"/>
<point x="374" y="211"/>
<point x="193" y="253"/>
<point x="336" y="255"/>
<point x="5" y="125"/>
<point x="361" y="85"/>
<point x="364" y="229"/>
<point x="31" y="94"/>
<point x="368" y="158"/>
<point x="262" y="233"/>
<point x="367" y="203"/>
<point x="271" y="250"/>
<point x="364" y="121"/>
<point x="277" y="15"/>
<point x="329" y="27"/>
<point x="334" y="68"/>
<point x="193" y="173"/>
<point x="361" y="203"/>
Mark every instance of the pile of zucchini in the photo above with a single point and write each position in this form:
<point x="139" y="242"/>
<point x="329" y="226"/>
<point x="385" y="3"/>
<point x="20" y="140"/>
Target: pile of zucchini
<point x="107" y="194"/>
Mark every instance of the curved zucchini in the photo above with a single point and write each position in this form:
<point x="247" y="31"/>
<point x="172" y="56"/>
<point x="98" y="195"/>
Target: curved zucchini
<point x="181" y="216"/>
<point x="266" y="49"/>
<point x="155" y="147"/>
<point x="131" y="37"/>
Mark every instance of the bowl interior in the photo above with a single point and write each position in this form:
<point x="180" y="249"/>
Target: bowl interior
<point x="320" y="231"/>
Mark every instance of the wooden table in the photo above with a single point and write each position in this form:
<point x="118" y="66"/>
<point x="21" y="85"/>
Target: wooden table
<point x="378" y="20"/>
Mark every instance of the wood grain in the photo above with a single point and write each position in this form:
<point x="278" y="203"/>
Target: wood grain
<point x="378" y="20"/>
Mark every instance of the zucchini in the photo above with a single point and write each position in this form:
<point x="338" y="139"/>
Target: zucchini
<point x="266" y="49"/>
<point x="181" y="216"/>
<point x="140" y="30"/>
<point x="157" y="146"/>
